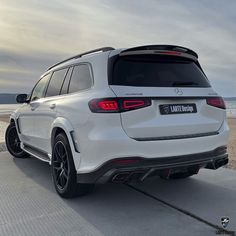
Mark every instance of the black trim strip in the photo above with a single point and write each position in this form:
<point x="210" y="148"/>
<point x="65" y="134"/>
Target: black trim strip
<point x="177" y="137"/>
<point x="73" y="140"/>
<point x="18" y="125"/>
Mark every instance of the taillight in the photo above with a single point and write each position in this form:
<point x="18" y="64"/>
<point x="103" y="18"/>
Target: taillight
<point x="216" y="102"/>
<point x="104" y="105"/>
<point x="113" y="105"/>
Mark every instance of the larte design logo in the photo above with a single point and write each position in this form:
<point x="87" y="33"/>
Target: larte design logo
<point x="225" y="221"/>
<point x="166" y="109"/>
<point x="181" y="108"/>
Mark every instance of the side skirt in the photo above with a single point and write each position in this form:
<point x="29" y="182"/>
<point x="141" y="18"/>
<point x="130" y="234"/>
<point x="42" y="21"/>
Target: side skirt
<point x="40" y="154"/>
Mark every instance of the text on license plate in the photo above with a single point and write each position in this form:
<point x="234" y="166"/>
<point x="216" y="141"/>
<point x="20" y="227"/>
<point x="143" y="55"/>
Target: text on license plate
<point x="177" y="108"/>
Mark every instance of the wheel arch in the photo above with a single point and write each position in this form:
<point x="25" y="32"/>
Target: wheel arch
<point x="62" y="125"/>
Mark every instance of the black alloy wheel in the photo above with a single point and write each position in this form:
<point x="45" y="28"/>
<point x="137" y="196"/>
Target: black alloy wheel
<point x="60" y="165"/>
<point x="13" y="142"/>
<point x="63" y="170"/>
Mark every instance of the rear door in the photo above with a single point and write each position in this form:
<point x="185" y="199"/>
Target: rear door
<point x="177" y="88"/>
<point x="46" y="111"/>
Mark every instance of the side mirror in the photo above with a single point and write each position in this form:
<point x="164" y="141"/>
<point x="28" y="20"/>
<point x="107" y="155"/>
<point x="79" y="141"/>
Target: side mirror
<point x="22" y="98"/>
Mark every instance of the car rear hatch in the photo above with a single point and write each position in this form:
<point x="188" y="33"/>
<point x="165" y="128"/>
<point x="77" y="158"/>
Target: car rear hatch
<point x="170" y="95"/>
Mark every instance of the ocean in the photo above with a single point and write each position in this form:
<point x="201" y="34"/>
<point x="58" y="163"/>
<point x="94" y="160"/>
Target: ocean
<point x="230" y="105"/>
<point x="6" y="109"/>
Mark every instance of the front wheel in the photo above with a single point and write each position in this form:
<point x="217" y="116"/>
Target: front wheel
<point x="13" y="142"/>
<point x="63" y="170"/>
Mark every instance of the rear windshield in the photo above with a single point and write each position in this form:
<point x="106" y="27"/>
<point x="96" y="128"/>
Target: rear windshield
<point x="157" y="72"/>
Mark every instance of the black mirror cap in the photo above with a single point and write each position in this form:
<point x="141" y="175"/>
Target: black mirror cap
<point x="22" y="98"/>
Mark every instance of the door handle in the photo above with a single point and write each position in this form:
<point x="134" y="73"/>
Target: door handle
<point x="52" y="106"/>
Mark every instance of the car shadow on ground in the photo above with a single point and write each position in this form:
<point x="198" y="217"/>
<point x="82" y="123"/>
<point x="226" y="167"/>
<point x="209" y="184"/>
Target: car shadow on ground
<point x="110" y="206"/>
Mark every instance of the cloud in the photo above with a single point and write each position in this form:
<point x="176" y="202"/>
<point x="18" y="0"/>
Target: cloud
<point x="36" y="34"/>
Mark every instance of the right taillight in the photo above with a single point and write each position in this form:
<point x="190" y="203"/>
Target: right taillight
<point x="216" y="102"/>
<point x="114" y="105"/>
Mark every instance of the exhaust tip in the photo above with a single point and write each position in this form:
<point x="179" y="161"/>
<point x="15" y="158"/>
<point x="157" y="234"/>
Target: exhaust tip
<point x="217" y="164"/>
<point x="121" y="177"/>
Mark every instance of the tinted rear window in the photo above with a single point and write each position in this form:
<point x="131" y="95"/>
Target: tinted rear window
<point x="55" y="83"/>
<point x="157" y="72"/>
<point x="81" y="78"/>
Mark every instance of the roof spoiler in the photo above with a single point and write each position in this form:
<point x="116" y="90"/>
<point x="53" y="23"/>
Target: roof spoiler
<point x="173" y="50"/>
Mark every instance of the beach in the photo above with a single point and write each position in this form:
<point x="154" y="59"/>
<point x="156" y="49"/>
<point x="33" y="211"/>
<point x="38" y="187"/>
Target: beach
<point x="231" y="144"/>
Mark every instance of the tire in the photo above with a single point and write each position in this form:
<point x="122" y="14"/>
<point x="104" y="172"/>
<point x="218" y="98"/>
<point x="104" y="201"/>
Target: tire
<point x="63" y="170"/>
<point x="13" y="142"/>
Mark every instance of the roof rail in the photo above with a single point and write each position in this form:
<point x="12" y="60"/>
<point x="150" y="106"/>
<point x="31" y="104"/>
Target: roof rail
<point x="104" y="49"/>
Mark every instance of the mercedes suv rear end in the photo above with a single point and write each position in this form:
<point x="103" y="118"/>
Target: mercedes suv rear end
<point x="147" y="111"/>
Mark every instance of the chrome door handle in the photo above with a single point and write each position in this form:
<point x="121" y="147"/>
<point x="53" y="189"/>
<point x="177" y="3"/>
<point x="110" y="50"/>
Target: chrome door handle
<point x="52" y="106"/>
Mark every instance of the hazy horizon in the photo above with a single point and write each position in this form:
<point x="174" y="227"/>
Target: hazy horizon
<point x="36" y="34"/>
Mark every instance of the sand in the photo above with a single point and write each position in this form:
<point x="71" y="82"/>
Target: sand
<point x="231" y="144"/>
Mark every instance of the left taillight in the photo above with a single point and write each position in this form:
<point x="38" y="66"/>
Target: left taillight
<point x="114" y="105"/>
<point x="216" y="102"/>
<point x="103" y="105"/>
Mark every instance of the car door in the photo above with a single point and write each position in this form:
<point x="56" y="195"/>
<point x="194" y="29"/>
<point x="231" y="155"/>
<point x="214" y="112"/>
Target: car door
<point x="28" y="122"/>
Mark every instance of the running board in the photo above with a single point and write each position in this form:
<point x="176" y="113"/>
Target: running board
<point x="41" y="155"/>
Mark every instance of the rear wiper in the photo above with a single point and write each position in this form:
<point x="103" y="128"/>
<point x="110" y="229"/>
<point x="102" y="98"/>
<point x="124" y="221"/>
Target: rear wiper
<point x="179" y="83"/>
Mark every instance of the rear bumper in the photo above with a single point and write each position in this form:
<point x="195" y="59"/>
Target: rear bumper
<point x="137" y="168"/>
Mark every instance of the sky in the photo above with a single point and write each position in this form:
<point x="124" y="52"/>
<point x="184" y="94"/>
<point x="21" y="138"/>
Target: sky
<point x="35" y="34"/>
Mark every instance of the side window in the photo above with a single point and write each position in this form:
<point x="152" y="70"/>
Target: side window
<point x="40" y="88"/>
<point x="55" y="83"/>
<point x="65" y="85"/>
<point x="81" y="78"/>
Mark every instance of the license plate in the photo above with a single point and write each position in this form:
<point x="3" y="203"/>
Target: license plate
<point x="169" y="109"/>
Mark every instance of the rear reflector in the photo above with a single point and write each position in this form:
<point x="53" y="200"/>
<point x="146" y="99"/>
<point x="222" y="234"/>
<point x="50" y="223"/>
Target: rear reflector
<point x="112" y="105"/>
<point x="216" y="102"/>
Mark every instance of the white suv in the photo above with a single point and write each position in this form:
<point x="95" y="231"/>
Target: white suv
<point x="121" y="115"/>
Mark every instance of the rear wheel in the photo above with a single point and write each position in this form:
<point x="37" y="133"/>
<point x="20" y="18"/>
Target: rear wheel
<point x="63" y="170"/>
<point x="13" y="142"/>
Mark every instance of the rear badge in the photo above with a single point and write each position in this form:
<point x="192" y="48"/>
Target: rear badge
<point x="178" y="91"/>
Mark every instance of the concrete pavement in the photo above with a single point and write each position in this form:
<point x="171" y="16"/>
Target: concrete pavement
<point x="29" y="204"/>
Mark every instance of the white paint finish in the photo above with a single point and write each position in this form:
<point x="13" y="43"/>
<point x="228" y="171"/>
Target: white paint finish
<point x="111" y="142"/>
<point x="35" y="121"/>
<point x="127" y="91"/>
